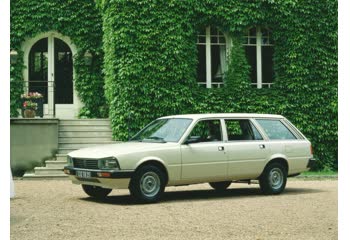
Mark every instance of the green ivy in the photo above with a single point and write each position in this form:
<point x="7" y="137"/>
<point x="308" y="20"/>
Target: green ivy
<point x="146" y="62"/>
<point x="237" y="75"/>
<point x="147" y="68"/>
<point x="151" y="58"/>
<point x="81" y="21"/>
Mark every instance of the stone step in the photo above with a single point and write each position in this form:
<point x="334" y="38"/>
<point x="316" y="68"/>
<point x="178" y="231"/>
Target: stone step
<point x="48" y="171"/>
<point x="61" y="157"/>
<point x="83" y="134"/>
<point x="74" y="134"/>
<point x="79" y="128"/>
<point x="80" y="122"/>
<point x="49" y="176"/>
<point x="84" y="140"/>
<point x="54" y="164"/>
<point x="82" y="145"/>
<point x="65" y="151"/>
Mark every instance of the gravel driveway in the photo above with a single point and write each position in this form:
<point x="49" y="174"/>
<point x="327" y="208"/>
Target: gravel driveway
<point x="57" y="209"/>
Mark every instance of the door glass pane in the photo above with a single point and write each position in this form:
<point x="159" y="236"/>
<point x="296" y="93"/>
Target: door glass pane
<point x="241" y="130"/>
<point x="201" y="67"/>
<point x="267" y="64"/>
<point x="38" y="67"/>
<point x="207" y="131"/>
<point x="216" y="69"/>
<point x="250" y="52"/>
<point x="234" y="131"/>
<point x="252" y="32"/>
<point x="63" y="73"/>
<point x="275" y="129"/>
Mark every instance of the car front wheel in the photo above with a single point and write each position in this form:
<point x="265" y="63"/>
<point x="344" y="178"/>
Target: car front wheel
<point x="148" y="184"/>
<point x="96" y="192"/>
<point x="274" y="179"/>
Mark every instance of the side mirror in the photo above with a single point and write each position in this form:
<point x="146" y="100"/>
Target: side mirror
<point x="192" y="139"/>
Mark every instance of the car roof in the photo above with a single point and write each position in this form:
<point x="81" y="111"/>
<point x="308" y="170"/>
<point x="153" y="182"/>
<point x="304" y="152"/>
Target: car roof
<point x="225" y="115"/>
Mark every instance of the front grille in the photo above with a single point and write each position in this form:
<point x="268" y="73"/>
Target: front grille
<point x="85" y="163"/>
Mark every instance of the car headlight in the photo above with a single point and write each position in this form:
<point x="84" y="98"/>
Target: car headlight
<point x="69" y="160"/>
<point x="109" y="163"/>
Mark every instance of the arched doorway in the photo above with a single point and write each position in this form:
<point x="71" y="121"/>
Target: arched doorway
<point x="49" y="60"/>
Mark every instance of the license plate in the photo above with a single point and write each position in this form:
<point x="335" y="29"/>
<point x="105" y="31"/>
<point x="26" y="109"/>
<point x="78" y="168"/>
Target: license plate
<point x="83" y="174"/>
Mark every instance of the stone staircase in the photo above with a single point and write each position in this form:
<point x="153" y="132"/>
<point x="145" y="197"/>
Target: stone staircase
<point x="74" y="134"/>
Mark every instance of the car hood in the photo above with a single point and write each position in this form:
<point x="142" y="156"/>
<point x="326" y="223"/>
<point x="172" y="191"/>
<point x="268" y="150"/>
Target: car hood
<point x="113" y="150"/>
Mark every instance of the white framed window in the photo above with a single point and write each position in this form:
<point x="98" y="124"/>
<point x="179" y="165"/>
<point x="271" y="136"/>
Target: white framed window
<point x="212" y="46"/>
<point x="259" y="50"/>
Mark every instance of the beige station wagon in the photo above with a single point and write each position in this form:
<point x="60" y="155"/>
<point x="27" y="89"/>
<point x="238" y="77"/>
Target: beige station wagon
<point x="189" y="149"/>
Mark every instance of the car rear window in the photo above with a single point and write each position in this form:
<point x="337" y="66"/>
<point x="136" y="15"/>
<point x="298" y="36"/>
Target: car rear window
<point x="275" y="129"/>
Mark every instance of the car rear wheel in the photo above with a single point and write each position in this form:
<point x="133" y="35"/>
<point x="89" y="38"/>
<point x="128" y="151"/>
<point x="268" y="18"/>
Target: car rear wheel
<point x="96" y="192"/>
<point x="220" y="186"/>
<point x="274" y="179"/>
<point x="148" y="184"/>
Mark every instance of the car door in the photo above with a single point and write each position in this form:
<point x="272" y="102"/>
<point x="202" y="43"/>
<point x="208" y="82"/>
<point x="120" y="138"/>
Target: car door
<point x="203" y="155"/>
<point x="246" y="149"/>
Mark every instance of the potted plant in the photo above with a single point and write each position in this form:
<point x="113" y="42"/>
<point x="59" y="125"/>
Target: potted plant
<point x="33" y="97"/>
<point x="29" y="109"/>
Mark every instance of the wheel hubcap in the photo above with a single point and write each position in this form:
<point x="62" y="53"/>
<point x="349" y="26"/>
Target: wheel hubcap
<point x="150" y="184"/>
<point x="276" y="178"/>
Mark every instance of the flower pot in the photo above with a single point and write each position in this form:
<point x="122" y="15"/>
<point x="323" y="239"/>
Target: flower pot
<point x="29" y="113"/>
<point x="40" y="109"/>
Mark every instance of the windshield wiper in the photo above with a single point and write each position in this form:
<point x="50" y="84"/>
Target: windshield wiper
<point x="155" y="138"/>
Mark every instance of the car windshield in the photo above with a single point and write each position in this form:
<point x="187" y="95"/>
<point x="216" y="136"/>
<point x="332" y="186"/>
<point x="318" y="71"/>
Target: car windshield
<point x="163" y="130"/>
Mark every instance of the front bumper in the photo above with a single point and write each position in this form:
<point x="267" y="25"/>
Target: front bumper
<point x="311" y="163"/>
<point x="103" y="178"/>
<point x="98" y="173"/>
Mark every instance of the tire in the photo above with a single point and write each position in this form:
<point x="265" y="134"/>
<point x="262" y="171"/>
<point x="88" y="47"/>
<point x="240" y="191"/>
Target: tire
<point x="274" y="178"/>
<point x="148" y="184"/>
<point x="96" y="192"/>
<point x="220" y="186"/>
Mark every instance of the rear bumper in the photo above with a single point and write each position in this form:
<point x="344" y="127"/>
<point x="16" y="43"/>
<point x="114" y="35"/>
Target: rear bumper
<point x="311" y="163"/>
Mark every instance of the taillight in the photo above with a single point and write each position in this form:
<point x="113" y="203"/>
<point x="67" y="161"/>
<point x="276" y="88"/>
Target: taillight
<point x="311" y="150"/>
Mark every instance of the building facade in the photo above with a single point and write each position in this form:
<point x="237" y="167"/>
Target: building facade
<point x="143" y="59"/>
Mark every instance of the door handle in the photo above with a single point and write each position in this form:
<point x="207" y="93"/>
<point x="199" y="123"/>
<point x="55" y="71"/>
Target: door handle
<point x="262" y="146"/>
<point x="221" y="148"/>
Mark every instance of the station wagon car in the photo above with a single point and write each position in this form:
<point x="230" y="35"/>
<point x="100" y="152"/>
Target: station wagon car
<point x="200" y="148"/>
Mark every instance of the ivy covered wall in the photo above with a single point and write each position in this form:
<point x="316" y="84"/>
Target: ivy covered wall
<point x="82" y="23"/>
<point x="151" y="58"/>
<point x="145" y="67"/>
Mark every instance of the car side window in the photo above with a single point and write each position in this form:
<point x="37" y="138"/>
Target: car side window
<point x="207" y="131"/>
<point x="275" y="129"/>
<point x="241" y="129"/>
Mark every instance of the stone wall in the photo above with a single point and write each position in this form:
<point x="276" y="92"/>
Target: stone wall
<point x="32" y="142"/>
